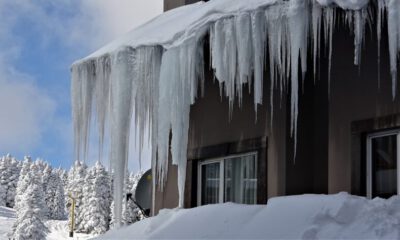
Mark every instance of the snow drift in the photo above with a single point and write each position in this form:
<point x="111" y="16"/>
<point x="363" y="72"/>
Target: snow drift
<point x="157" y="70"/>
<point x="339" y="216"/>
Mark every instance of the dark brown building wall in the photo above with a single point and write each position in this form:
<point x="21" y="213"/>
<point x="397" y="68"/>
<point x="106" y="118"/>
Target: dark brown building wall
<point x="170" y="4"/>
<point x="356" y="97"/>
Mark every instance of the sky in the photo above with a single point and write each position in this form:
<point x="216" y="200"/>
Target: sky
<point x="39" y="40"/>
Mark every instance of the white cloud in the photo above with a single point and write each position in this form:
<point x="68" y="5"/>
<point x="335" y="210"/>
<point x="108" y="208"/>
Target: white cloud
<point x="97" y="22"/>
<point x="26" y="110"/>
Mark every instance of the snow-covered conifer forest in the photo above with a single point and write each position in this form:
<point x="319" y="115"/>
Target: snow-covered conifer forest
<point x="40" y="196"/>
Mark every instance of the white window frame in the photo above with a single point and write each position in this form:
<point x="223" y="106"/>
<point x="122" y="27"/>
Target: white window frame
<point x="395" y="132"/>
<point x="221" y="161"/>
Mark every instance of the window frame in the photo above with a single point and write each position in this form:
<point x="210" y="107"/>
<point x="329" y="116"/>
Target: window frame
<point x="221" y="161"/>
<point x="370" y="137"/>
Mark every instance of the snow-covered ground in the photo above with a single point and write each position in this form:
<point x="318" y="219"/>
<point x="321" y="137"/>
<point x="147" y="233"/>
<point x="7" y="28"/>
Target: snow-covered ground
<point x="7" y="218"/>
<point x="339" y="216"/>
<point x="58" y="229"/>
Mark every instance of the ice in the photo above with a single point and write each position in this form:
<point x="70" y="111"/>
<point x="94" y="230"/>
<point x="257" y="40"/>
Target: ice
<point x="359" y="24"/>
<point x="380" y="12"/>
<point x="393" y="8"/>
<point x="316" y="37"/>
<point x="329" y="24"/>
<point x="151" y="76"/>
<point x="258" y="35"/>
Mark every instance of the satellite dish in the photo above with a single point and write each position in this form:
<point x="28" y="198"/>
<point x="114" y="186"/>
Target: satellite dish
<point x="143" y="192"/>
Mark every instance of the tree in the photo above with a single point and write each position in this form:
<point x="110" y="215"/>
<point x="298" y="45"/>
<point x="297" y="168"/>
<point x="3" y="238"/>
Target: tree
<point x="9" y="174"/>
<point x="46" y="174"/>
<point x="54" y="196"/>
<point x="76" y="182"/>
<point x="32" y="210"/>
<point x="96" y="204"/>
<point x="3" y="195"/>
<point x="23" y="181"/>
<point x="64" y="180"/>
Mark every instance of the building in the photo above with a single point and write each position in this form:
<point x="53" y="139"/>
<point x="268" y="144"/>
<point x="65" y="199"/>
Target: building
<point x="322" y="114"/>
<point x="348" y="140"/>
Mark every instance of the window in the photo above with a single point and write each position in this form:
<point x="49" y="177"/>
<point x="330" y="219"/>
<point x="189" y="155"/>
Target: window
<point x="382" y="164"/>
<point x="228" y="179"/>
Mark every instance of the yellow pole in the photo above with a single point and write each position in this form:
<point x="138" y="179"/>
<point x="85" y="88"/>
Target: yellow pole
<point x="72" y="214"/>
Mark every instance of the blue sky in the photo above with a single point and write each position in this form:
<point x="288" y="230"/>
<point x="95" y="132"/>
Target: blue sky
<point x="38" y="42"/>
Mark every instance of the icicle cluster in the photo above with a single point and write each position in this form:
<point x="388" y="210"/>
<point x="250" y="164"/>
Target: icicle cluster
<point x="157" y="84"/>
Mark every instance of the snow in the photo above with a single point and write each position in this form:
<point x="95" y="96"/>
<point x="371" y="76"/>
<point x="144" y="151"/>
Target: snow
<point x="7" y="218"/>
<point x="58" y="229"/>
<point x="154" y="72"/>
<point x="338" y="216"/>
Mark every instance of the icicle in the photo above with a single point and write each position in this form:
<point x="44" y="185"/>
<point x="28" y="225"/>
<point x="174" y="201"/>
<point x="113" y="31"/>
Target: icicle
<point x="329" y="23"/>
<point x="103" y="70"/>
<point x="393" y="19"/>
<point x="224" y="55"/>
<point x="316" y="31"/>
<point x="381" y="9"/>
<point x="244" y="51"/>
<point x="359" y="24"/>
<point x="179" y="74"/>
<point x="297" y="26"/>
<point x="275" y="29"/>
<point x="258" y="35"/>
<point x="121" y="112"/>
<point x="76" y="101"/>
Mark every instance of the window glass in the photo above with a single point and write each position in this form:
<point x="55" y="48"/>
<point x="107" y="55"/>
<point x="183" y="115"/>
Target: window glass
<point x="384" y="166"/>
<point x="236" y="183"/>
<point x="210" y="183"/>
<point x="240" y="180"/>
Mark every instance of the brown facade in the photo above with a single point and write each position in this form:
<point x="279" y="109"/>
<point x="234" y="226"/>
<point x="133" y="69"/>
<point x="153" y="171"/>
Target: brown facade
<point x="332" y="127"/>
<point x="170" y="4"/>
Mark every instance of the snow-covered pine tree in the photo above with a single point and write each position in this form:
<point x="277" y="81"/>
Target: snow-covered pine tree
<point x="46" y="174"/>
<point x="54" y="196"/>
<point x="97" y="202"/>
<point x="3" y="195"/>
<point x="32" y="210"/>
<point x="41" y="165"/>
<point x="132" y="212"/>
<point x="134" y="180"/>
<point x="9" y="174"/>
<point x="76" y="181"/>
<point x="13" y="181"/>
<point x="23" y="180"/>
<point x="64" y="180"/>
<point x="83" y="214"/>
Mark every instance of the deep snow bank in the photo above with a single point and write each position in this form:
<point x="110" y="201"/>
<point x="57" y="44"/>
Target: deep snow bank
<point x="293" y="217"/>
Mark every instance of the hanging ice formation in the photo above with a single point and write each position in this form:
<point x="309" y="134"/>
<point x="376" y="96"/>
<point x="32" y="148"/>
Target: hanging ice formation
<point x="155" y="71"/>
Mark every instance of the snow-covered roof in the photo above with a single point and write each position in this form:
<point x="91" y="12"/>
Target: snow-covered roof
<point x="173" y="27"/>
